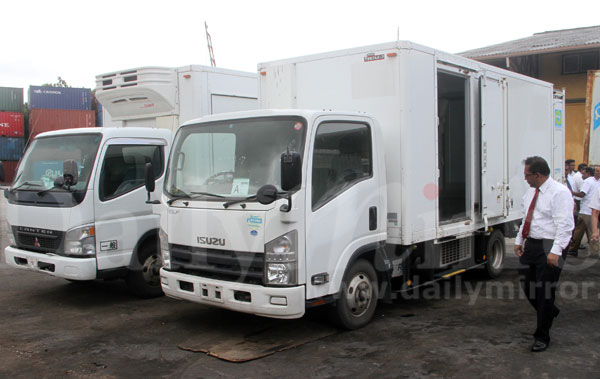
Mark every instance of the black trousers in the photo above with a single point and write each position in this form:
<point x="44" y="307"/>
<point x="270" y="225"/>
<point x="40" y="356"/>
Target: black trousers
<point x="539" y="281"/>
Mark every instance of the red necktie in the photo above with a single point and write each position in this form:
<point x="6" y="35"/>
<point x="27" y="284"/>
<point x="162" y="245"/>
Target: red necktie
<point x="527" y="224"/>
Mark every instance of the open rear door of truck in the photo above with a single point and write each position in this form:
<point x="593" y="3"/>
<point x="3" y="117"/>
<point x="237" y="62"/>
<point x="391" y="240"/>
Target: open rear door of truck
<point x="493" y="113"/>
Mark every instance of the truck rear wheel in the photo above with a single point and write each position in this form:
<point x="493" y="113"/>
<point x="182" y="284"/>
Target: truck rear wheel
<point x="495" y="250"/>
<point x="144" y="279"/>
<point x="358" y="296"/>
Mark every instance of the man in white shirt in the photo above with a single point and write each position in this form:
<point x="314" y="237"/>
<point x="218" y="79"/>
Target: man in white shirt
<point x="584" y="219"/>
<point x="541" y="243"/>
<point x="574" y="179"/>
<point x="595" y="205"/>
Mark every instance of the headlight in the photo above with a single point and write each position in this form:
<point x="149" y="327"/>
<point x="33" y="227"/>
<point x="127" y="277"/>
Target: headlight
<point x="281" y="260"/>
<point x="81" y="242"/>
<point x="164" y="249"/>
<point x="11" y="236"/>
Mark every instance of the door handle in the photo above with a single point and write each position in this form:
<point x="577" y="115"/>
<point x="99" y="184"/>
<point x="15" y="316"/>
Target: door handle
<point x="373" y="218"/>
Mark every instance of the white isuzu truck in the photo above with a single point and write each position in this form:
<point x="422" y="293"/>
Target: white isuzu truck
<point x="409" y="171"/>
<point x="77" y="210"/>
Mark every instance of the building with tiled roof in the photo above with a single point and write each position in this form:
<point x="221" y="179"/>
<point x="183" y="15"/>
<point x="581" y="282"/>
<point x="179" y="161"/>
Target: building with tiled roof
<point x="567" y="58"/>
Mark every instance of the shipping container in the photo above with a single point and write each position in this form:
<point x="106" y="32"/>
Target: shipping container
<point x="45" y="120"/>
<point x="11" y="149"/>
<point x="10" y="169"/>
<point x="60" y="98"/>
<point x="11" y="99"/>
<point x="11" y="124"/>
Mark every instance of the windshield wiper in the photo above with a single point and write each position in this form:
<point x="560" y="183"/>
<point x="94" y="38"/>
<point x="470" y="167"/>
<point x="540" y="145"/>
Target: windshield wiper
<point x="207" y="194"/>
<point x="24" y="184"/>
<point x="178" y="197"/>
<point x="42" y="192"/>
<point x="187" y="196"/>
<point x="227" y="204"/>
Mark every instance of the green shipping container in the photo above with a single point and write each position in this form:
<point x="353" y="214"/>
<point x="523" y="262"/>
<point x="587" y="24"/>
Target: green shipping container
<point x="11" y="99"/>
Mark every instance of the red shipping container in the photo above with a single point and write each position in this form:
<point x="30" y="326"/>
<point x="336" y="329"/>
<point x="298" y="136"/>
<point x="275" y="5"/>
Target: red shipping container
<point x="10" y="169"/>
<point x="45" y="120"/>
<point x="12" y="124"/>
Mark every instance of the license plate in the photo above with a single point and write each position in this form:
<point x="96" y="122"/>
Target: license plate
<point x="211" y="293"/>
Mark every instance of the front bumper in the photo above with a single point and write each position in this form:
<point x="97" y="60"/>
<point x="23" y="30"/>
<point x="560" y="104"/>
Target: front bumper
<point x="63" y="267"/>
<point x="275" y="302"/>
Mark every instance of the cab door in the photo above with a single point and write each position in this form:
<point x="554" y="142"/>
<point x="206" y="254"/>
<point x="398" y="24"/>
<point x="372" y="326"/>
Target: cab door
<point x="121" y="213"/>
<point x="344" y="205"/>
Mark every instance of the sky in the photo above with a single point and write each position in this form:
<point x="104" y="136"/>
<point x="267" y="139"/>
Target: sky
<point x="78" y="40"/>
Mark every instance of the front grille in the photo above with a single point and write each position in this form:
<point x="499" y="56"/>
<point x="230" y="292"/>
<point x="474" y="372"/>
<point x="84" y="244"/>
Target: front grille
<point x="232" y="266"/>
<point x="40" y="240"/>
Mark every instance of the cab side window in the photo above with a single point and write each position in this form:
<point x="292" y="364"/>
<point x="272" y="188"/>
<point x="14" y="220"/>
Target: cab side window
<point x="342" y="157"/>
<point x="123" y="168"/>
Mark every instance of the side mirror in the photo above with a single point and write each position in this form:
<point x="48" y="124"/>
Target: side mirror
<point x="70" y="172"/>
<point x="150" y="182"/>
<point x="267" y="194"/>
<point x="1" y="172"/>
<point x="291" y="170"/>
<point x="149" y="177"/>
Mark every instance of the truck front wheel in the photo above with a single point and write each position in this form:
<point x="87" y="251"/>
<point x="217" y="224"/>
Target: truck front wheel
<point x="144" y="279"/>
<point x="358" y="296"/>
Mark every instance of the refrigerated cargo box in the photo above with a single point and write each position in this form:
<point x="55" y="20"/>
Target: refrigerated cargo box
<point x="165" y="97"/>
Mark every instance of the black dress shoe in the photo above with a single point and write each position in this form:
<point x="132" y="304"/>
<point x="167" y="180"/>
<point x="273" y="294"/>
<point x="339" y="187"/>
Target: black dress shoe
<point x="572" y="253"/>
<point x="539" y="346"/>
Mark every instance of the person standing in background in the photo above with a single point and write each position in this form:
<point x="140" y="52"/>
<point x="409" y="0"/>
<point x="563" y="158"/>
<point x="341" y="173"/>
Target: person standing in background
<point x="584" y="219"/>
<point x="573" y="181"/>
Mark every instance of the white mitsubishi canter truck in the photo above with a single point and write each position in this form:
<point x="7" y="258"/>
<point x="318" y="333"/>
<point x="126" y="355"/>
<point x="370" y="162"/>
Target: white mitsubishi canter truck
<point x="77" y="208"/>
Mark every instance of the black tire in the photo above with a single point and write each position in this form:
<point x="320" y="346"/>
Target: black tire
<point x="143" y="279"/>
<point x="357" y="298"/>
<point x="495" y="251"/>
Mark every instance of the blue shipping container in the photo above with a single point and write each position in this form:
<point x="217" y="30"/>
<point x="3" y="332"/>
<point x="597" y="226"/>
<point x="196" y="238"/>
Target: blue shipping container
<point x="11" y="149"/>
<point x="79" y="99"/>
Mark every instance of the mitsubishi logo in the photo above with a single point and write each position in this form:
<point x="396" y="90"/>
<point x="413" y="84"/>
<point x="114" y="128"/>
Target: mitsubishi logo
<point x="36" y="243"/>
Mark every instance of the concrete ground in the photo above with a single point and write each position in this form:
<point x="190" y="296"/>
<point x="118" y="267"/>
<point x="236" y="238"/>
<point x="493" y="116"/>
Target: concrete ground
<point x="466" y="327"/>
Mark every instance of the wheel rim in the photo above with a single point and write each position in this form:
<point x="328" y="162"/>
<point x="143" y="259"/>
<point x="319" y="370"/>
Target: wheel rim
<point x="150" y="270"/>
<point x="359" y="294"/>
<point x="497" y="255"/>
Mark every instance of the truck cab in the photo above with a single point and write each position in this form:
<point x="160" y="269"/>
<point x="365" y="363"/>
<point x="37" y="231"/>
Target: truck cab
<point x="77" y="208"/>
<point x="267" y="211"/>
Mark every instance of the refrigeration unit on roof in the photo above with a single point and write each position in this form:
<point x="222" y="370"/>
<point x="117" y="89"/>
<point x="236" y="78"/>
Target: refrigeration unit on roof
<point x="144" y="92"/>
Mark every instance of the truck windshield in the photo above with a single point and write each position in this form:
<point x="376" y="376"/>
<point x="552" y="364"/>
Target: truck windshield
<point x="232" y="158"/>
<point x="44" y="159"/>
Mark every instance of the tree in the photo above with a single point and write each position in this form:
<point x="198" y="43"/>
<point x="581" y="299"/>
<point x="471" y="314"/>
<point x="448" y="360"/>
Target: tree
<point x="59" y="83"/>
